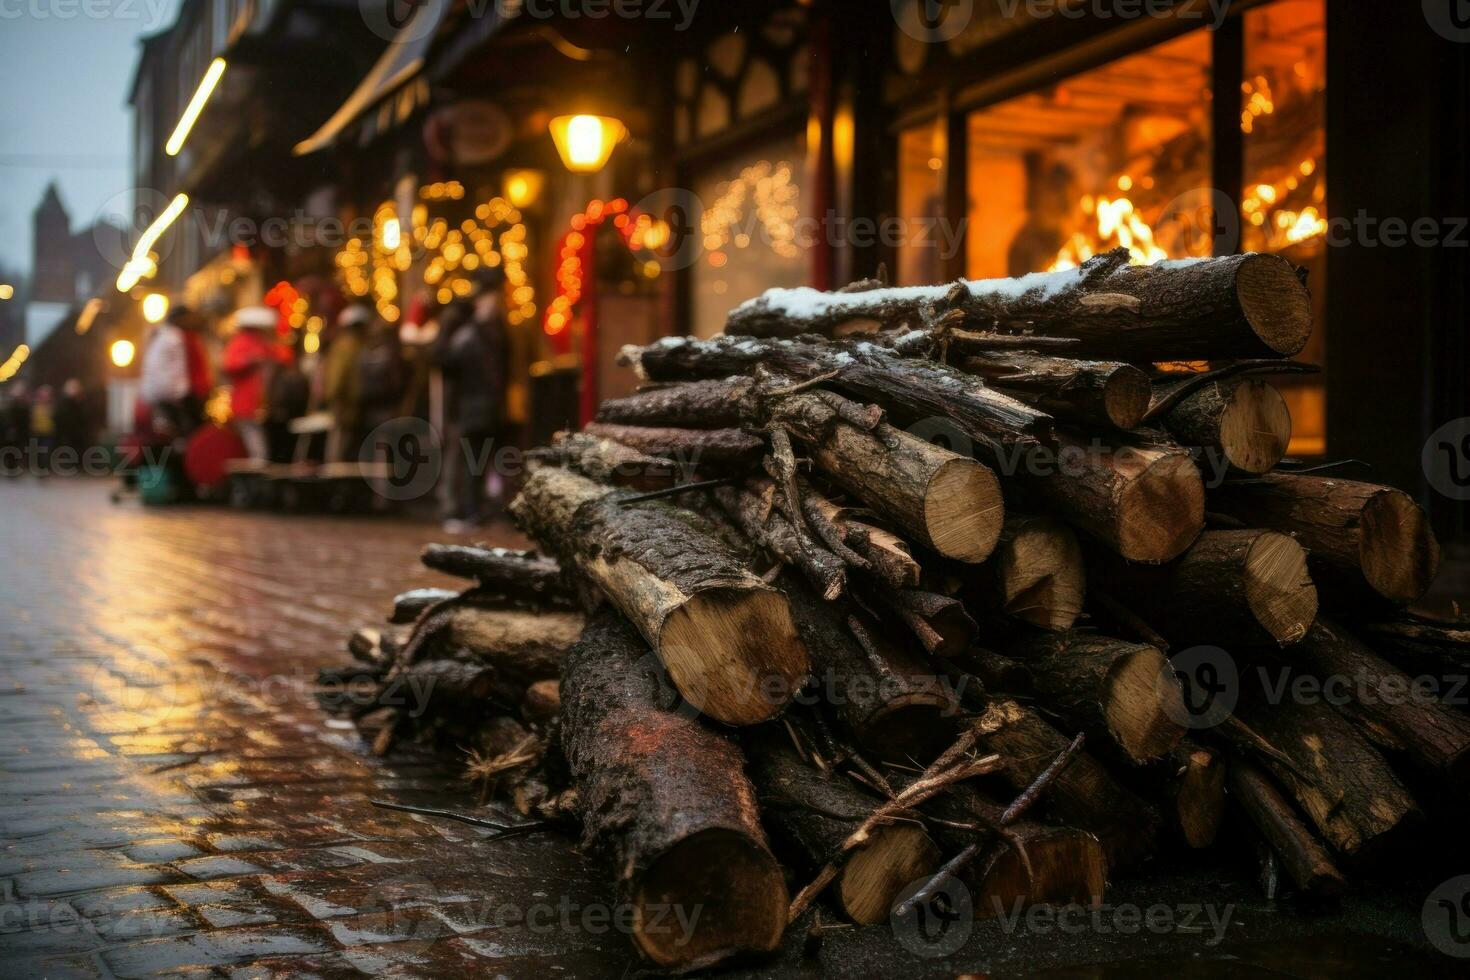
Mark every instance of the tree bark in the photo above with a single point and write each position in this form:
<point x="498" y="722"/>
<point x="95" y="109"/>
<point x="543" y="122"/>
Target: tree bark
<point x="606" y="461"/>
<point x="812" y="813"/>
<point x="1121" y="692"/>
<point x="886" y="554"/>
<point x="1241" y="587"/>
<point x="725" y="636"/>
<point x="1302" y="854"/>
<point x="517" y="574"/>
<point x="409" y="606"/>
<point x="667" y="802"/>
<point x="948" y="502"/>
<point x="712" y="404"/>
<point x="1084" y="795"/>
<point x="789" y="543"/>
<point x="1340" y="781"/>
<point x="940" y="622"/>
<point x="688" y="448"/>
<point x="1386" y="700"/>
<point x="1356" y="534"/>
<point x="1242" y="422"/>
<point x="1237" y="306"/>
<point x="522" y="646"/>
<point x="1091" y="393"/>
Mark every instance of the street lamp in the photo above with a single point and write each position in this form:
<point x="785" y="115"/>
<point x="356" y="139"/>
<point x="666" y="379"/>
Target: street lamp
<point x="6" y="290"/>
<point x="155" y="307"/>
<point x="586" y="142"/>
<point x="122" y="352"/>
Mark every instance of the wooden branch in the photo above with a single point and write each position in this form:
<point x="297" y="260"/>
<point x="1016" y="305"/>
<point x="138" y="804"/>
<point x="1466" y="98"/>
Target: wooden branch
<point x="1237" y="306"/>
<point x="606" y="461"/>
<point x="668" y="803"/>
<point x="518" y="574"/>
<point x="1039" y="572"/>
<point x="1305" y="858"/>
<point x="408" y="606"/>
<point x="689" y="448"/>
<point x="1120" y="692"/>
<point x="712" y="404"/>
<point x="1384" y="698"/>
<point x="813" y="812"/>
<point x="788" y="543"/>
<point x="1242" y="421"/>
<point x="1240" y="587"/>
<point x="1356" y="534"/>
<point x="886" y="555"/>
<point x="725" y="636"/>
<point x="940" y="622"/>
<point x="1171" y="387"/>
<point x="1084" y="794"/>
<point x="1092" y="393"/>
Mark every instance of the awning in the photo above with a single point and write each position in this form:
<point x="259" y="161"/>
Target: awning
<point x="400" y="64"/>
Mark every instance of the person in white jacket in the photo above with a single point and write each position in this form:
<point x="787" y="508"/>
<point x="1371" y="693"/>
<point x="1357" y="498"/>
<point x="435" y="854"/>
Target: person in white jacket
<point x="165" y="367"/>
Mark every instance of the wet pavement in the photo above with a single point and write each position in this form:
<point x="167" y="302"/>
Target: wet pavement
<point x="174" y="801"/>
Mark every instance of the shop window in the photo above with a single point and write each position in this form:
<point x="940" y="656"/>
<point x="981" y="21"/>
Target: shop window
<point x="1114" y="156"/>
<point x="920" y="251"/>
<point x="749" y="231"/>
<point x="1284" y="204"/>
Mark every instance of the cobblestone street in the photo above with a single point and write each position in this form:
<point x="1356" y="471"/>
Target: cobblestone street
<point x="175" y="801"/>
<point x="172" y="798"/>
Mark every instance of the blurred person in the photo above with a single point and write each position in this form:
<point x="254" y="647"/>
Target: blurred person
<point x="341" y="380"/>
<point x="43" y="426"/>
<point x="287" y="397"/>
<point x="472" y="352"/>
<point x="175" y="375"/>
<point x="380" y="376"/>
<point x="15" y="427"/>
<point x="251" y="356"/>
<point x="73" y="418"/>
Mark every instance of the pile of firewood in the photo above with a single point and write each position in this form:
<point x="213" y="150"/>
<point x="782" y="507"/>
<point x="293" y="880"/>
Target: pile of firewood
<point x="836" y="599"/>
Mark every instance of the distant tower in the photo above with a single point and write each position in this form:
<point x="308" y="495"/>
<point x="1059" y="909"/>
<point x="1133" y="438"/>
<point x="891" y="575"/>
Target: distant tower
<point x="52" y="262"/>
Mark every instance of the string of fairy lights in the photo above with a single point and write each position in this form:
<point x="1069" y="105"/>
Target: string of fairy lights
<point x="494" y="236"/>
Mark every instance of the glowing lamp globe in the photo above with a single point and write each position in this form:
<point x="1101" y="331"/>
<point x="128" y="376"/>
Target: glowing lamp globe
<point x="122" y="352"/>
<point x="155" y="307"/>
<point x="586" y="142"/>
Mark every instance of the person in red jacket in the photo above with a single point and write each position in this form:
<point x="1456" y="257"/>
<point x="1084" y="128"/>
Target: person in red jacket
<point x="251" y="355"/>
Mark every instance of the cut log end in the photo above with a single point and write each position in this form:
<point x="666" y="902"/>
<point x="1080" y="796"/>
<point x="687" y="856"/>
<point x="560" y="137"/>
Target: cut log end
<point x="896" y="856"/>
<point x="912" y="728"/>
<point x="1275" y="302"/>
<point x="737" y="902"/>
<point x="1042" y="575"/>
<point x="1398" y="551"/>
<point x="1255" y="428"/>
<point x="1200" y="799"/>
<point x="1279" y="588"/>
<point x="1144" y="708"/>
<point x="1162" y="511"/>
<point x="1126" y="397"/>
<point x="963" y="510"/>
<point x="1071" y="868"/>
<point x="734" y="654"/>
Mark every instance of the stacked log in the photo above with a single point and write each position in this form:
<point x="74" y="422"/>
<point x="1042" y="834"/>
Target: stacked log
<point x="823" y="591"/>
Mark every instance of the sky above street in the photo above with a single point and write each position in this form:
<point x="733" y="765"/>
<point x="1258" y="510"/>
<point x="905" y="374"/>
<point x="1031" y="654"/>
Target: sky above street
<point x="65" y="66"/>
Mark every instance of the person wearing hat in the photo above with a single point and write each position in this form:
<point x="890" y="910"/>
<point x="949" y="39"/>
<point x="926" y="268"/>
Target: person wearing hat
<point x="251" y="355"/>
<point x="472" y="352"/>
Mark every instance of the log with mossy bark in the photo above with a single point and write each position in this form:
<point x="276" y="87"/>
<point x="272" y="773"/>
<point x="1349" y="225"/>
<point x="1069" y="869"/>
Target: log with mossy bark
<point x="1118" y="692"/>
<point x="1241" y="424"/>
<point x="726" y="637"/>
<point x="1394" y="709"/>
<point x="688" y="449"/>
<point x="1304" y="856"/>
<point x="666" y="801"/>
<point x="1084" y="795"/>
<point x="1238" y="306"/>
<point x="811" y="812"/>
<point x="1357" y="534"/>
<point x="1247" y="587"/>
<point x="607" y="461"/>
<point x="1341" y="782"/>
<point x="1108" y="394"/>
<point x="716" y="403"/>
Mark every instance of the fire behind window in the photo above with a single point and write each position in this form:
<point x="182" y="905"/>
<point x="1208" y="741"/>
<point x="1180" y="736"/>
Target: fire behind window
<point x="1121" y="156"/>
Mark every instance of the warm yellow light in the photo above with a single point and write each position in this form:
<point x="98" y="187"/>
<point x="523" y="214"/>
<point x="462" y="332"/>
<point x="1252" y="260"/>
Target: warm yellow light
<point x="311" y="343"/>
<point x="392" y="235"/>
<point x="21" y="353"/>
<point x="122" y="352"/>
<point x="586" y="142"/>
<point x="523" y="187"/>
<point x="141" y="263"/>
<point x="155" y="307"/>
<point x="89" y="314"/>
<point x="195" y="107"/>
<point x="6" y="290"/>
